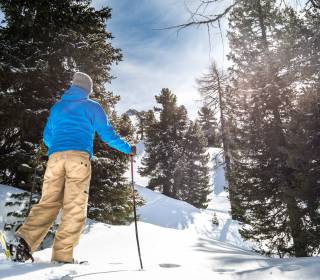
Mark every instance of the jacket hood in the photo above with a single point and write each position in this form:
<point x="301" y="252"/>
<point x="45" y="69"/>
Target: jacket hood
<point x="75" y="93"/>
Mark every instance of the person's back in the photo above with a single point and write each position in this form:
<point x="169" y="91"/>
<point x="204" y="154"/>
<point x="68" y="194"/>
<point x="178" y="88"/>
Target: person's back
<point x="69" y="135"/>
<point x="75" y="118"/>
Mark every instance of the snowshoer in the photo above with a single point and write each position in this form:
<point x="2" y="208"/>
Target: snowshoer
<point x="68" y="134"/>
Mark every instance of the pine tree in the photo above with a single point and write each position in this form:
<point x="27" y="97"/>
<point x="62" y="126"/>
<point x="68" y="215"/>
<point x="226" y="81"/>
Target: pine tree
<point x="267" y="192"/>
<point x="164" y="143"/>
<point x="304" y="159"/>
<point x="141" y="126"/>
<point x="302" y="40"/>
<point x="209" y="126"/>
<point x="42" y="44"/>
<point x="194" y="187"/>
<point x="275" y="56"/>
<point x="215" y="89"/>
<point x="176" y="160"/>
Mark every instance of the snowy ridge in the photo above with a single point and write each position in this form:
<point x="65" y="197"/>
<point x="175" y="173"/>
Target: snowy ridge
<point x="165" y="211"/>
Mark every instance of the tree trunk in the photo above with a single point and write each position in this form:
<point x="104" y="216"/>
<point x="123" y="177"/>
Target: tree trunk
<point x="225" y="145"/>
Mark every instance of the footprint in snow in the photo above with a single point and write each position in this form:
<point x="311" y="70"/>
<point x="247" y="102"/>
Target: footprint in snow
<point x="169" y="265"/>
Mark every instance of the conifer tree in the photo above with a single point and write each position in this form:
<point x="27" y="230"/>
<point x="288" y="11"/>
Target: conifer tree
<point x="261" y="174"/>
<point x="194" y="187"/>
<point x="43" y="43"/>
<point x="176" y="160"/>
<point x="215" y="90"/>
<point x="273" y="77"/>
<point x="164" y="142"/>
<point x="142" y="123"/>
<point x="304" y="159"/>
<point x="302" y="43"/>
<point x="209" y="125"/>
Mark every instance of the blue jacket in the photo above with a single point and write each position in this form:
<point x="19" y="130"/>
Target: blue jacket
<point x="73" y="121"/>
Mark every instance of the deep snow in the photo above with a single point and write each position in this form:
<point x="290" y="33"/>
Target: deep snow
<point x="171" y="233"/>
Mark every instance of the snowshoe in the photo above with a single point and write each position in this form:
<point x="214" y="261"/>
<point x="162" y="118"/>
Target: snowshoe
<point x="20" y="251"/>
<point x="72" y="262"/>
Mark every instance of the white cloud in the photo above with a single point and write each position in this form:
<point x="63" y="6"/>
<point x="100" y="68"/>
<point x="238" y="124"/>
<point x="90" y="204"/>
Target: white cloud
<point x="154" y="59"/>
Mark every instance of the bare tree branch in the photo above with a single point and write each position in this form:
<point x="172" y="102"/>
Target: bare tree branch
<point x="208" y="20"/>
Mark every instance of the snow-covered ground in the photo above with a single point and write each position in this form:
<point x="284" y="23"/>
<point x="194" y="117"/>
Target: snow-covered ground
<point x="172" y="233"/>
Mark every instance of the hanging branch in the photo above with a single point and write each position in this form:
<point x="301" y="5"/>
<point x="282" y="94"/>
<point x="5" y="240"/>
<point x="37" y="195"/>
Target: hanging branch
<point x="199" y="17"/>
<point x="206" y="19"/>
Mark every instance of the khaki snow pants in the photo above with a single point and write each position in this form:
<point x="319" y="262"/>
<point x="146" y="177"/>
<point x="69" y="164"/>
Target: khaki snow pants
<point x="66" y="186"/>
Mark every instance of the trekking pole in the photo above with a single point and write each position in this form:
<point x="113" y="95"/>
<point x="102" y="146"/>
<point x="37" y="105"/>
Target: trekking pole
<point x="135" y="212"/>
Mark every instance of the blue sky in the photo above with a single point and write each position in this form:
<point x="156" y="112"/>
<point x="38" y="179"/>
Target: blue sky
<point x="154" y="59"/>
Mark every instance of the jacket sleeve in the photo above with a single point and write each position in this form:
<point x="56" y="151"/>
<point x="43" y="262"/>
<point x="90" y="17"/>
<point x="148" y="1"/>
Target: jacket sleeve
<point x="47" y="133"/>
<point x="107" y="133"/>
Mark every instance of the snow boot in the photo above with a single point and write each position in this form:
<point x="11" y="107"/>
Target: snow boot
<point x="20" y="251"/>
